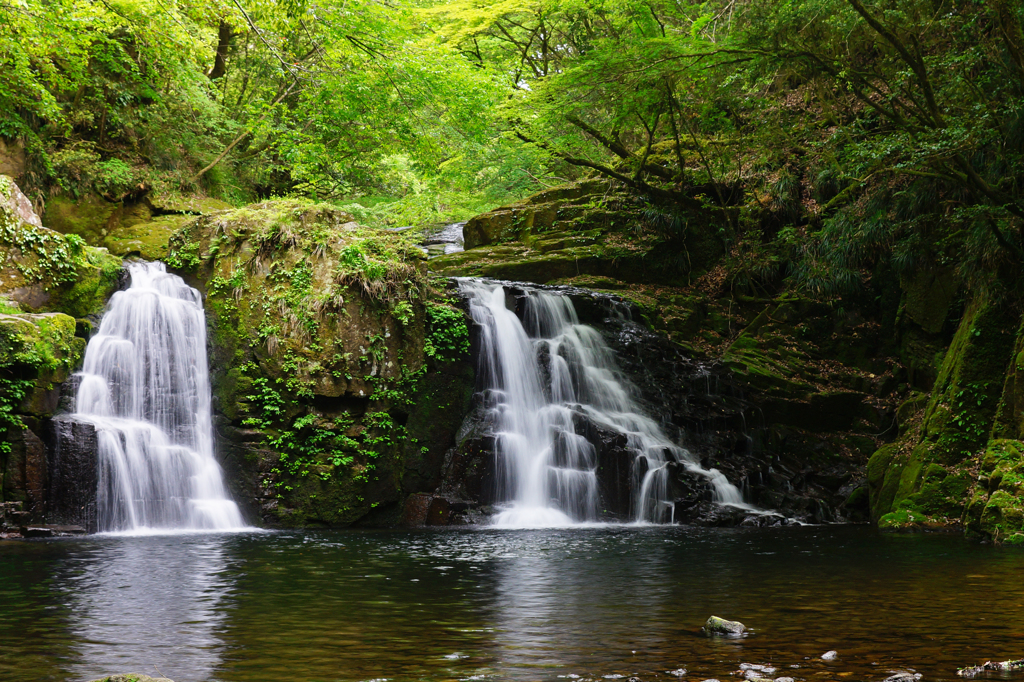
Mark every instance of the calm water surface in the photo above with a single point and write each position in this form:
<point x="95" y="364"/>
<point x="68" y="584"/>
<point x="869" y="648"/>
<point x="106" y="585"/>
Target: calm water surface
<point x="505" y="605"/>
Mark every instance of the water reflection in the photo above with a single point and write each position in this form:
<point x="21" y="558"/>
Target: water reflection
<point x="148" y="604"/>
<point x="561" y="597"/>
<point x="531" y="605"/>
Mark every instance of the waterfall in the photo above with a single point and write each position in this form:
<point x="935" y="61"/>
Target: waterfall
<point x="145" y="387"/>
<point x="545" y="374"/>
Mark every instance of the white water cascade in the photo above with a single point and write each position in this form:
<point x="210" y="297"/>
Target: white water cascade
<point x="540" y="372"/>
<point x="145" y="387"/>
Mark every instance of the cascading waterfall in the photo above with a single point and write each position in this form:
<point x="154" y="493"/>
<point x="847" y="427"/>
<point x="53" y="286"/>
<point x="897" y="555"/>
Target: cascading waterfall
<point x="145" y="387"/>
<point x="543" y="371"/>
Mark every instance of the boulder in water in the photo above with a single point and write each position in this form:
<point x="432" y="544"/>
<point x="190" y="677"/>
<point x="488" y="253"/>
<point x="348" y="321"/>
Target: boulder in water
<point x="903" y="677"/>
<point x="990" y="665"/>
<point x="721" y="627"/>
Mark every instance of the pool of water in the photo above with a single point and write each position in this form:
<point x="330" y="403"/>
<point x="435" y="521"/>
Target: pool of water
<point x="506" y="605"/>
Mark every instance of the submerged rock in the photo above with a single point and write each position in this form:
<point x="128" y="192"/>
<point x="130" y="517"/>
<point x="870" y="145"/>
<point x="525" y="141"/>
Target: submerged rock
<point x="990" y="665"/>
<point x="830" y="656"/>
<point x="721" y="626"/>
<point x="903" y="677"/>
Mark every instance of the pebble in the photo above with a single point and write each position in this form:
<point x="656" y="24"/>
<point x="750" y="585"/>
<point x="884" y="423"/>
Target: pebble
<point x="766" y="669"/>
<point x="830" y="656"/>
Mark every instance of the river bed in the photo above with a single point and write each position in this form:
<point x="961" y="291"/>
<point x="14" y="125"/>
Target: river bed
<point x="561" y="604"/>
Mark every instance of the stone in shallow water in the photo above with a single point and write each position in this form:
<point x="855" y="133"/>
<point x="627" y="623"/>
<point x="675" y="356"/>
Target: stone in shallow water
<point x="721" y="626"/>
<point x="903" y="677"/>
<point x="830" y="656"/>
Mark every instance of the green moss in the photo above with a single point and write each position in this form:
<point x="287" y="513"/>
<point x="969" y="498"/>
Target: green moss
<point x="996" y="507"/>
<point x="48" y="271"/>
<point x="935" y="480"/>
<point x="37" y="353"/>
<point x="321" y="331"/>
<point x="883" y="479"/>
<point x="582" y="229"/>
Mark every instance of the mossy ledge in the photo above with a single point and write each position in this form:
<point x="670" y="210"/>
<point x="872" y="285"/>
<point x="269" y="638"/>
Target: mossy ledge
<point x="339" y="368"/>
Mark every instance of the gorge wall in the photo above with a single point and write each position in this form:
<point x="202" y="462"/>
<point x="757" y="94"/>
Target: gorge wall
<point x="342" y="371"/>
<point x="899" y="404"/>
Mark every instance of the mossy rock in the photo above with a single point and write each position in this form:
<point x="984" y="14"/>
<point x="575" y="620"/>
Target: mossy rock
<point x="134" y="228"/>
<point x="132" y="677"/>
<point x="934" y="477"/>
<point x="996" y="508"/>
<point x="534" y="213"/>
<point x="46" y="271"/>
<point x="40" y="348"/>
<point x="324" y="382"/>
<point x="928" y="295"/>
<point x="163" y="203"/>
<point x="588" y="228"/>
<point x="148" y="240"/>
<point x="89" y="217"/>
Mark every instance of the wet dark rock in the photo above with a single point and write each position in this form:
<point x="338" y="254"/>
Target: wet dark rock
<point x="416" y="508"/>
<point x="722" y="421"/>
<point x="439" y="512"/>
<point x="716" y="626"/>
<point x="51" y="530"/>
<point x="615" y="465"/>
<point x="36" y="532"/>
<point x="72" y="472"/>
<point x="719" y="417"/>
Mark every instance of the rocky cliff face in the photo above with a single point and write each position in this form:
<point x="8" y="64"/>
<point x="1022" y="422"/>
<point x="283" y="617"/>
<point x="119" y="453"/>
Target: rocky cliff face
<point x="339" y="367"/>
<point x="342" y="377"/>
<point x="801" y="454"/>
<point x="788" y="395"/>
<point x="52" y="289"/>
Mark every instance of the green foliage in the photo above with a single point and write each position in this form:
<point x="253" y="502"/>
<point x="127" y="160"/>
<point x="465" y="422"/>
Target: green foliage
<point x="448" y="334"/>
<point x="33" y="351"/>
<point x="12" y="393"/>
<point x="350" y="102"/>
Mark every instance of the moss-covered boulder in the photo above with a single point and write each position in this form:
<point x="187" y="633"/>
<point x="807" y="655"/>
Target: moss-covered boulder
<point x="339" y="368"/>
<point x="38" y="352"/>
<point x="587" y="228"/>
<point x="996" y="506"/>
<point x="46" y="271"/>
<point x="138" y="227"/>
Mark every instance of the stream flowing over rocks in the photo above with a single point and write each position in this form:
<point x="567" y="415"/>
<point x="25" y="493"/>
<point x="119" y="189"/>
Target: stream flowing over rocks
<point x="375" y="431"/>
<point x="706" y="431"/>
